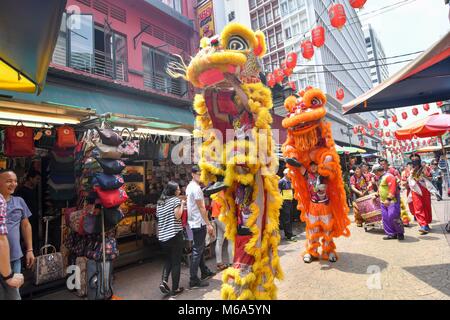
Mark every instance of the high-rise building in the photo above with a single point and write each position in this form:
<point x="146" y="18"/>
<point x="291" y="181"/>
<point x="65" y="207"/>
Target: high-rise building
<point x="379" y="70"/>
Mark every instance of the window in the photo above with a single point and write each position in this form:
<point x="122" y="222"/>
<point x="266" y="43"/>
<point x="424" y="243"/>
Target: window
<point x="296" y="29"/>
<point x="231" y="16"/>
<point x="272" y="42"/>
<point x="284" y="8"/>
<point x="276" y="12"/>
<point x="262" y="19"/>
<point x="279" y="37"/>
<point x="177" y="6"/>
<point x="291" y="5"/>
<point x="255" y="23"/>
<point x="304" y="25"/>
<point x="252" y="4"/>
<point x="155" y="75"/>
<point x="81" y="39"/>
<point x="287" y="33"/>
<point x="269" y="17"/>
<point x="60" y="52"/>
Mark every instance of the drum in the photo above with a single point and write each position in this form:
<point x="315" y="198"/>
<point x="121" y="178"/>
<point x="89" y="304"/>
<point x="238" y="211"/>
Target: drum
<point x="369" y="208"/>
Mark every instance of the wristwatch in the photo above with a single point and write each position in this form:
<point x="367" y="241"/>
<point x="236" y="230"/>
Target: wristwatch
<point x="8" y="277"/>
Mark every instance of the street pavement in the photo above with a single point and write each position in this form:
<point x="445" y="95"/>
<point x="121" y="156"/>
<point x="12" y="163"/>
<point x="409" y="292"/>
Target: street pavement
<point x="368" y="268"/>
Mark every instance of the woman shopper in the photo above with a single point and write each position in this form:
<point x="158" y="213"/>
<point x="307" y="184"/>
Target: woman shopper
<point x="170" y="233"/>
<point x="220" y="226"/>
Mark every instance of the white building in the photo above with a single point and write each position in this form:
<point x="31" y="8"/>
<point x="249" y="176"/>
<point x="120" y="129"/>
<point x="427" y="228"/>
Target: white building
<point x="226" y="11"/>
<point x="379" y="70"/>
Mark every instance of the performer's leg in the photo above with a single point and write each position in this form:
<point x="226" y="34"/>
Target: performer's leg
<point x="312" y="244"/>
<point x="328" y="248"/>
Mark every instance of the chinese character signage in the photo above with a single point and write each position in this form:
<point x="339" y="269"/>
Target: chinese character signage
<point x="206" y="20"/>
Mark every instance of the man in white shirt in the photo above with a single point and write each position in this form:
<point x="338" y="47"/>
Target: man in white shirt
<point x="199" y="224"/>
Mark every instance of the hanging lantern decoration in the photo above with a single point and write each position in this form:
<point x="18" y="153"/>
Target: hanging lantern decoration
<point x="429" y="142"/>
<point x="271" y="80"/>
<point x="370" y="126"/>
<point x="361" y="143"/>
<point x="291" y="60"/>
<point x="372" y="133"/>
<point x="426" y="107"/>
<point x="377" y="124"/>
<point x="293" y="86"/>
<point x="386" y="122"/>
<point x="337" y="15"/>
<point x="404" y="115"/>
<point x="388" y="134"/>
<point x="340" y="94"/>
<point x="318" y="36"/>
<point x="287" y="72"/>
<point x="394" y="118"/>
<point x="357" y="4"/>
<point x="439" y="104"/>
<point x="363" y="131"/>
<point x="307" y="49"/>
<point x="279" y="75"/>
<point x="415" y="111"/>
<point x="380" y="133"/>
<point x="395" y="143"/>
<point x="424" y="143"/>
<point x="355" y="130"/>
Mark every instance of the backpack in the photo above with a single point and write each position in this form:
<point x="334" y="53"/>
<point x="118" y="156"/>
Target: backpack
<point x="65" y="137"/>
<point x="19" y="141"/>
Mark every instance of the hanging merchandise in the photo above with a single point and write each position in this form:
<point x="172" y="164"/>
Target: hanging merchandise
<point x="109" y="137"/>
<point x="307" y="49"/>
<point x="65" y="137"/>
<point x="318" y="36"/>
<point x="271" y="80"/>
<point x="111" y="198"/>
<point x="415" y="111"/>
<point x="394" y="118"/>
<point x="108" y="182"/>
<point x="337" y="16"/>
<point x="357" y="4"/>
<point x="111" y="166"/>
<point x="129" y="147"/>
<point x="404" y="115"/>
<point x="426" y="107"/>
<point x="291" y="60"/>
<point x="340" y="94"/>
<point x="19" y="141"/>
<point x="106" y="151"/>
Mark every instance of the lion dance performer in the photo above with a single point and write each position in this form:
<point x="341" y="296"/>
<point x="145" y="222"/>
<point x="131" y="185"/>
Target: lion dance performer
<point x="234" y="99"/>
<point x="316" y="174"/>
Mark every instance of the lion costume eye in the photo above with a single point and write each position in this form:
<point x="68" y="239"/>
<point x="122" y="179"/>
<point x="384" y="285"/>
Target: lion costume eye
<point x="237" y="43"/>
<point x="315" y="102"/>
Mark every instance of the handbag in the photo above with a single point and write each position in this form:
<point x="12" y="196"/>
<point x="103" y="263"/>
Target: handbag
<point x="49" y="267"/>
<point x="108" y="182"/>
<point x="65" y="137"/>
<point x="19" y="141"/>
<point x="146" y="226"/>
<point x="129" y="147"/>
<point x="83" y="221"/>
<point x="111" y="198"/>
<point x="111" y="166"/>
<point x="105" y="151"/>
<point x="109" y="137"/>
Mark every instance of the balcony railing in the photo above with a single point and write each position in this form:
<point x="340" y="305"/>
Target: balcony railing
<point x="165" y="84"/>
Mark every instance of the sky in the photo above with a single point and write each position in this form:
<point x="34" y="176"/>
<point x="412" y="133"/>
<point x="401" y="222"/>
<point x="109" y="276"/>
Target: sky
<point x="412" y="27"/>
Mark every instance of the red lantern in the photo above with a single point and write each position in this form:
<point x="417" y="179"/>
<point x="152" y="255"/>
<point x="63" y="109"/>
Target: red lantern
<point x="380" y="133"/>
<point x="340" y="94"/>
<point x="279" y="75"/>
<point x="385" y="122"/>
<point x="363" y="131"/>
<point x="337" y="15"/>
<point x="357" y="4"/>
<point x="293" y="86"/>
<point x="404" y="115"/>
<point x="372" y="133"/>
<point x="415" y="111"/>
<point x="395" y="142"/>
<point x="355" y="130"/>
<point x="426" y="107"/>
<point x="361" y="143"/>
<point x="394" y="118"/>
<point x="307" y="49"/>
<point x="388" y="134"/>
<point x="287" y="72"/>
<point x="271" y="80"/>
<point x="429" y="141"/>
<point x="439" y="104"/>
<point x="369" y="125"/>
<point x="424" y="143"/>
<point x="291" y="60"/>
<point x="377" y="124"/>
<point x="318" y="36"/>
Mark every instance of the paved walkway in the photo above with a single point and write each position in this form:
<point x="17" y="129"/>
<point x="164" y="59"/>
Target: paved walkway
<point x="368" y="268"/>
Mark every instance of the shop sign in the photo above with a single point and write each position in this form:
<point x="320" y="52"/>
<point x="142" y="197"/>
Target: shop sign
<point x="206" y="20"/>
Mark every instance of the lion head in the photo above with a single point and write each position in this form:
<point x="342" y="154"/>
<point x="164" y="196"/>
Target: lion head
<point x="305" y="113"/>
<point x="235" y="51"/>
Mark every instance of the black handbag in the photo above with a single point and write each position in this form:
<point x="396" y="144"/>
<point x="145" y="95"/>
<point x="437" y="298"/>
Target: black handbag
<point x="111" y="166"/>
<point x="107" y="181"/>
<point x="109" y="137"/>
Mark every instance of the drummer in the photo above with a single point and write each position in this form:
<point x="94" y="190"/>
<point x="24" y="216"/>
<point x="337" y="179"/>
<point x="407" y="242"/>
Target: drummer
<point x="390" y="204"/>
<point x="360" y="187"/>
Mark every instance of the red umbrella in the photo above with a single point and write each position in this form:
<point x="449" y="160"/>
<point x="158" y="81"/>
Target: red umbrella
<point x="432" y="126"/>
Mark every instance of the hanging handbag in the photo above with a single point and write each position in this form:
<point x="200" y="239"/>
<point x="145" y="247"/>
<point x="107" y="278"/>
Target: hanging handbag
<point x="146" y="226"/>
<point x="109" y="137"/>
<point x="49" y="267"/>
<point x="108" y="182"/>
<point x="111" y="198"/>
<point x="111" y="166"/>
<point x="48" y="138"/>
<point x="129" y="147"/>
<point x="65" y="137"/>
<point x="19" y="141"/>
<point x="107" y="152"/>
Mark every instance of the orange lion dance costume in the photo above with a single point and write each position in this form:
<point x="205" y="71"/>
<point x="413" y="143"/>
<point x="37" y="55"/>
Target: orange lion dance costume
<point x="315" y="173"/>
<point x="233" y="99"/>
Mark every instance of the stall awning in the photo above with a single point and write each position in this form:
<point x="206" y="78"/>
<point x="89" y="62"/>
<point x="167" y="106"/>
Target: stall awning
<point x="425" y="79"/>
<point x="28" y="33"/>
<point x="140" y="111"/>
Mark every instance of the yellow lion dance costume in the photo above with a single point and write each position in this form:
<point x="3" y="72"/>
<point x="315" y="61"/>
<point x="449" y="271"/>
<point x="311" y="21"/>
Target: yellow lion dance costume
<point x="315" y="173"/>
<point x="234" y="99"/>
